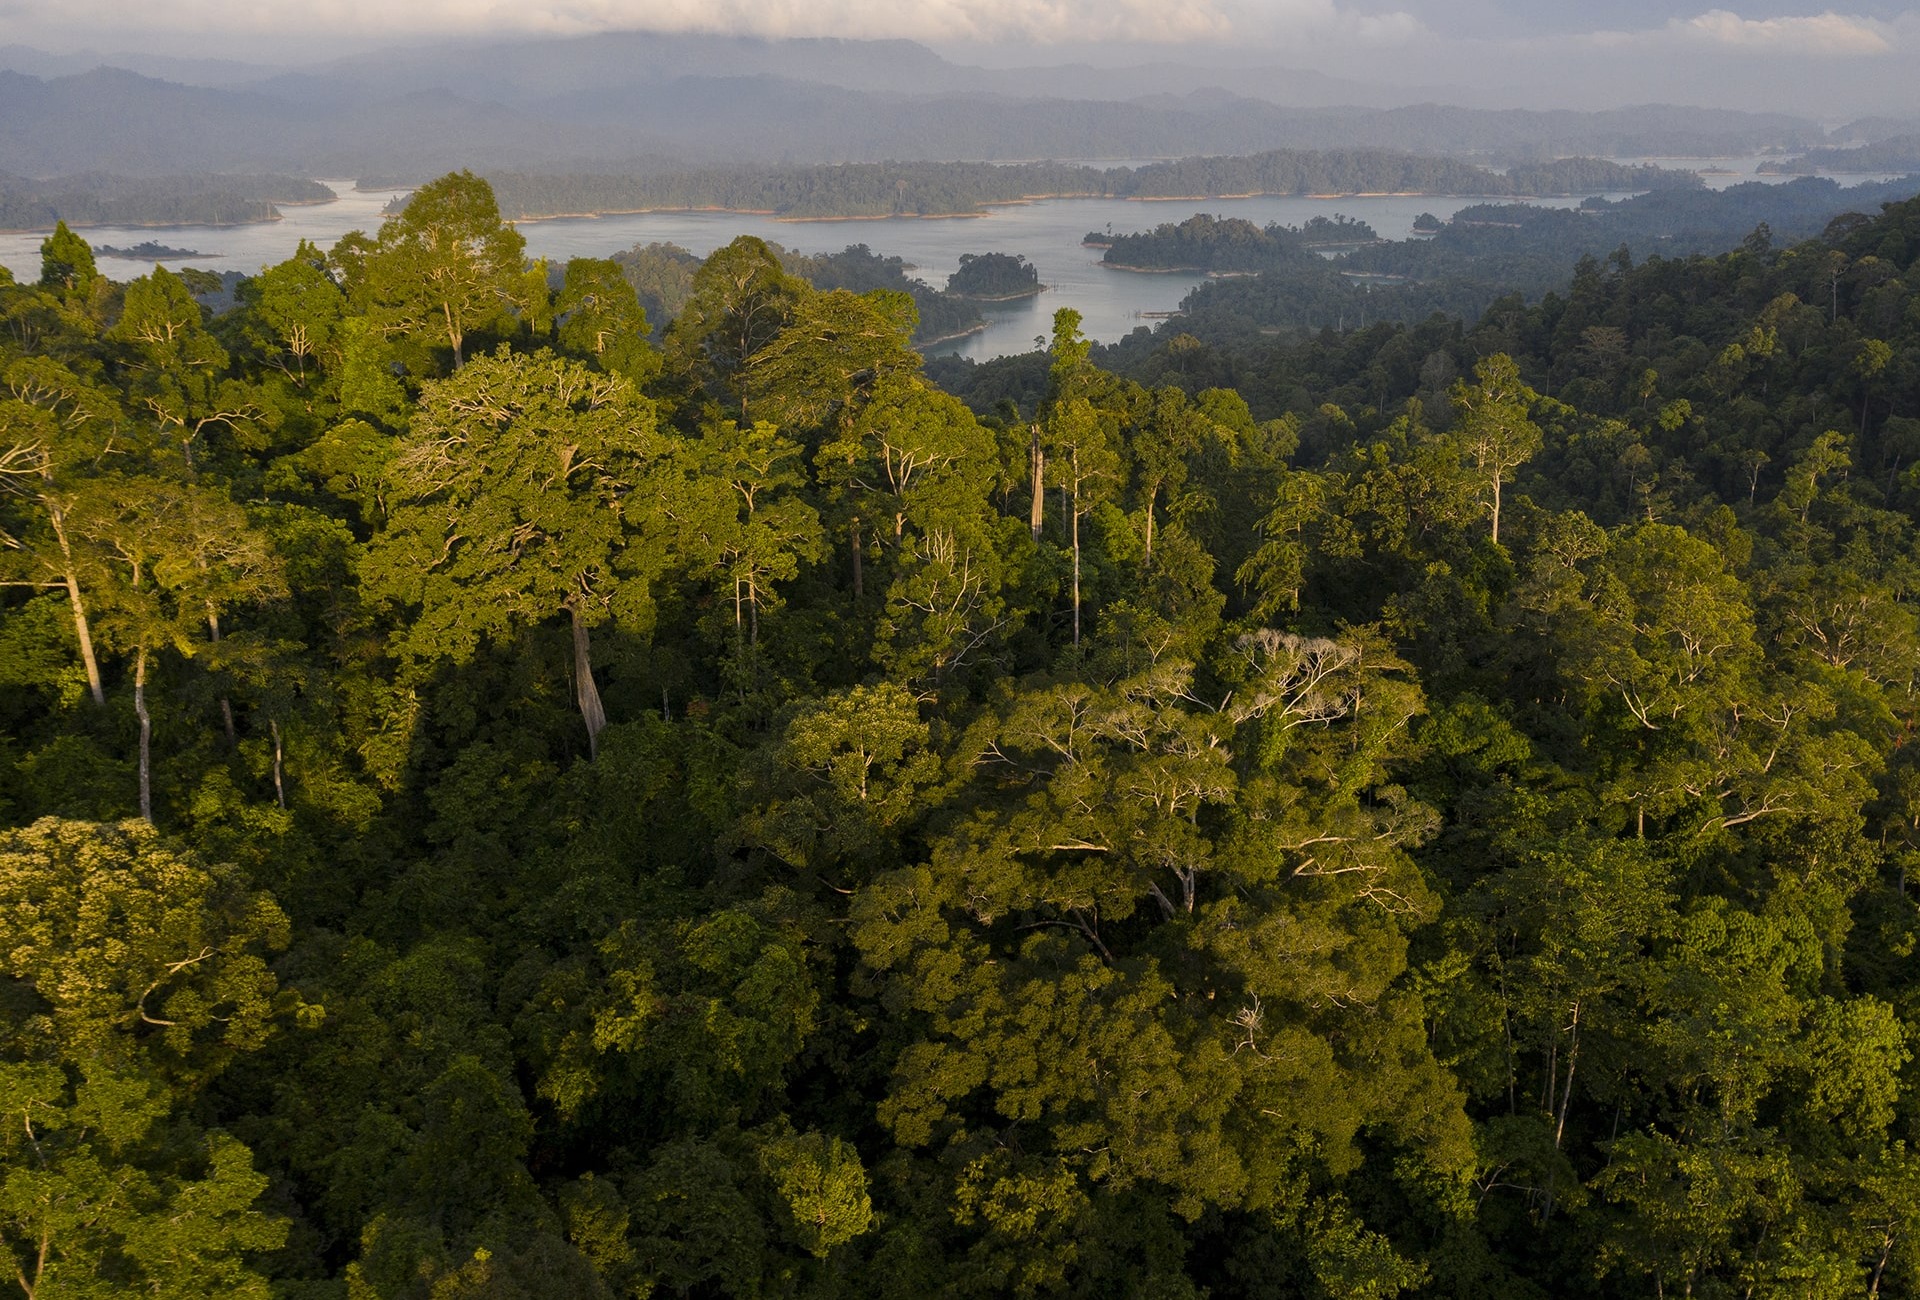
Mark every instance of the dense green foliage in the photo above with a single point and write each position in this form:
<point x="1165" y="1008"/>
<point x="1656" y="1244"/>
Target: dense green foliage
<point x="662" y="276"/>
<point x="491" y="808"/>
<point x="95" y="199"/>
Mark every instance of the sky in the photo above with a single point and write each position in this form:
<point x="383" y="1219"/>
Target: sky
<point x="1752" y="53"/>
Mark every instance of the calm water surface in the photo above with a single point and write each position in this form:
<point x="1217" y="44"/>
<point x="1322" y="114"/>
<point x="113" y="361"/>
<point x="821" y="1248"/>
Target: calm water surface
<point x="1047" y="233"/>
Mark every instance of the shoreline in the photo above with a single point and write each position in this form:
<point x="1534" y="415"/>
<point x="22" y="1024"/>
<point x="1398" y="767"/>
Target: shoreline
<point x="1183" y="270"/>
<point x="146" y="225"/>
<point x="1159" y="270"/>
<point x="640" y="212"/>
<point x="1005" y="297"/>
<point x="1023" y="200"/>
<point x="891" y="216"/>
<point x="274" y="206"/>
<point x="982" y="209"/>
<point x="949" y="338"/>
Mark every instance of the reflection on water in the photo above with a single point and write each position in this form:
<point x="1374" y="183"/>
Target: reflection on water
<point x="1047" y="233"/>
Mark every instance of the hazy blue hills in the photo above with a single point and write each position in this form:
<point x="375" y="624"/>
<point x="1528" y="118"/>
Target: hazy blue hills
<point x="614" y="101"/>
<point x="112" y="120"/>
<point x="227" y="73"/>
<point x="527" y="70"/>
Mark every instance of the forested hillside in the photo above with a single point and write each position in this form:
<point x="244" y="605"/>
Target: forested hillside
<point x="1484" y="253"/>
<point x="102" y="200"/>
<point x="881" y="189"/>
<point x="1894" y="153"/>
<point x="491" y="806"/>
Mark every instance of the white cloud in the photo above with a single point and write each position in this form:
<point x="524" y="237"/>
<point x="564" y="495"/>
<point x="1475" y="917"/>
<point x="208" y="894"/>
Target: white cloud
<point x="1826" y="33"/>
<point x="1322" y="22"/>
<point x="1823" y="35"/>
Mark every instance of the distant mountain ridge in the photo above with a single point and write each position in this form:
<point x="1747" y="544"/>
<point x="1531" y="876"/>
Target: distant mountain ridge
<point x="633" y="101"/>
<point x="525" y="70"/>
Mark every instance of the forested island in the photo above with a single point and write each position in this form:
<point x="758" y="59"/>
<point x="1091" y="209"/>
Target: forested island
<point x="492" y="805"/>
<point x="146" y="251"/>
<point x="1230" y="245"/>
<point x="1203" y="242"/>
<point x="662" y="276"/>
<point x="1899" y="153"/>
<point x="930" y="189"/>
<point x="994" y="277"/>
<point x="107" y="200"/>
<point x="1337" y="231"/>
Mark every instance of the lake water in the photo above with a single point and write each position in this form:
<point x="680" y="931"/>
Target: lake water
<point x="1047" y="233"/>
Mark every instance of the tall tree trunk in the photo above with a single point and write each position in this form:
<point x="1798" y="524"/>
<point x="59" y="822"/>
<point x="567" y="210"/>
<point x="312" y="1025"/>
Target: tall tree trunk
<point x="44" y="1250"/>
<point x="226" y="705"/>
<point x="454" y="335"/>
<point x="1880" y="1268"/>
<point x="1496" y="508"/>
<point x="1566" y="1095"/>
<point x="1151" y="498"/>
<point x="1075" y="512"/>
<point x="84" y="633"/>
<point x="146" y="733"/>
<point x="589" y="695"/>
<point x="859" y="583"/>
<point x="279" y="761"/>
<point x="81" y="629"/>
<point x="1039" y="460"/>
